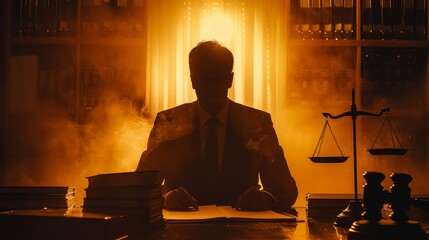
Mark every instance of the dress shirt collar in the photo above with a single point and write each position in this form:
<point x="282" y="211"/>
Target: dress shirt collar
<point x="221" y="117"/>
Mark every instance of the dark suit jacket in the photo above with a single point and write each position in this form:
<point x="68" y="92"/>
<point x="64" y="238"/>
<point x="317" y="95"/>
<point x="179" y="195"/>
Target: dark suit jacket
<point x="174" y="148"/>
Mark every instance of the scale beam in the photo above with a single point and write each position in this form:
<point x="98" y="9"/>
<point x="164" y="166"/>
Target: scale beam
<point x="356" y="113"/>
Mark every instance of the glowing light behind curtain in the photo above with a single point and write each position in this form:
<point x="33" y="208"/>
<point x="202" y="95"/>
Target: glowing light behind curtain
<point x="253" y="30"/>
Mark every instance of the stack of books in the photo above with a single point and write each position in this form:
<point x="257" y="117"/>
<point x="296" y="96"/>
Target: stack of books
<point x="36" y="197"/>
<point x="132" y="194"/>
<point x="327" y="205"/>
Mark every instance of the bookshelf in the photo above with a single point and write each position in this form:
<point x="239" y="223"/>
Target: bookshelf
<point x="78" y="46"/>
<point x="62" y="59"/>
<point x="393" y="30"/>
<point x="382" y="53"/>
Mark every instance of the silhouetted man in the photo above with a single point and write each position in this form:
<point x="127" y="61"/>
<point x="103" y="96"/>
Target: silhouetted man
<point x="213" y="150"/>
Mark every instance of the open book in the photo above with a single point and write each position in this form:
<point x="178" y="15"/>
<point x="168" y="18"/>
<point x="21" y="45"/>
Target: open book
<point x="213" y="213"/>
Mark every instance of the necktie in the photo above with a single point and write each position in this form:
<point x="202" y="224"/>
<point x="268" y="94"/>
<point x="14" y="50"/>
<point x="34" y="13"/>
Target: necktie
<point x="211" y="148"/>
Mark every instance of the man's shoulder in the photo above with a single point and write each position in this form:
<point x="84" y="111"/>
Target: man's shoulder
<point x="181" y="112"/>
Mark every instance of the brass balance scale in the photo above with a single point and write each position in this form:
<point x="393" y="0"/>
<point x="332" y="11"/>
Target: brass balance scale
<point x="354" y="210"/>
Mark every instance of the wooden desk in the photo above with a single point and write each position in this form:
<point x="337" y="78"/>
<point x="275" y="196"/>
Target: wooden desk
<point x="311" y="229"/>
<point x="50" y="228"/>
<point x="235" y="230"/>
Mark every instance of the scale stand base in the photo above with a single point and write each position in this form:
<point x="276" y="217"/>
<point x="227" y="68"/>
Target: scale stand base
<point x="386" y="229"/>
<point x="352" y="213"/>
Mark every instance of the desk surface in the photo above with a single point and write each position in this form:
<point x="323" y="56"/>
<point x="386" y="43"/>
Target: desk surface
<point x="46" y="227"/>
<point x="311" y="229"/>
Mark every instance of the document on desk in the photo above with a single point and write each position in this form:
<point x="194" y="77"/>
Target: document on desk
<point x="216" y="213"/>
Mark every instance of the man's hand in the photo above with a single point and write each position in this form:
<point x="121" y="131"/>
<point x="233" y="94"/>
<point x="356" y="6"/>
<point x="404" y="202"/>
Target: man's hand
<point x="179" y="200"/>
<point x="256" y="200"/>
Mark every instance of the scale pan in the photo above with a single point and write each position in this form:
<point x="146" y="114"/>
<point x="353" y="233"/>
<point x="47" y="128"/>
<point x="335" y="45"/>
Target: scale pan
<point x="330" y="159"/>
<point x="387" y="151"/>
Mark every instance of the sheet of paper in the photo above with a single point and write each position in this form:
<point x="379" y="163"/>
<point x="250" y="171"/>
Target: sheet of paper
<point x="234" y="214"/>
<point x="209" y="212"/>
<point x="213" y="212"/>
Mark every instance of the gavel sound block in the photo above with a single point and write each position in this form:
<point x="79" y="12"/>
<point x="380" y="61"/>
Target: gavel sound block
<point x="398" y="226"/>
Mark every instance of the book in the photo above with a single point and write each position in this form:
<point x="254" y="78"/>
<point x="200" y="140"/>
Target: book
<point x="329" y="200"/>
<point x="295" y="18"/>
<point x="408" y="19"/>
<point x="305" y="18"/>
<point x="327" y="19"/>
<point x="338" y="18"/>
<point x="142" y="192"/>
<point x="366" y="19"/>
<point x="73" y="224"/>
<point x="349" y="13"/>
<point x="376" y="18"/>
<point x="316" y="19"/>
<point x="124" y="203"/>
<point x="387" y="19"/>
<point x="11" y="204"/>
<point x="36" y="189"/>
<point x="23" y="84"/>
<point x="217" y="213"/>
<point x="149" y="216"/>
<point x="124" y="211"/>
<point x="141" y="178"/>
<point x="327" y="204"/>
<point x="24" y="196"/>
<point x="397" y="20"/>
<point x="420" y="19"/>
<point x="37" y="197"/>
<point x="323" y="212"/>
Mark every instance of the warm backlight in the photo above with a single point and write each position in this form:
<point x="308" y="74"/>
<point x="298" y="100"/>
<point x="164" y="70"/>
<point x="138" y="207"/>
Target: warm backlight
<point x="217" y="26"/>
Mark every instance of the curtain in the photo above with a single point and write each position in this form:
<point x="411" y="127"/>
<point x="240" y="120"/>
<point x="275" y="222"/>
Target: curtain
<point x="254" y="30"/>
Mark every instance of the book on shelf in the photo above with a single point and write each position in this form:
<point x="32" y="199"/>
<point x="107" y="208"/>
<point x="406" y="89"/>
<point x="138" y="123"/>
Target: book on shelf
<point x="338" y="18"/>
<point x="295" y="18"/>
<point x="316" y="19"/>
<point x="408" y="19"/>
<point x="349" y="25"/>
<point x="23" y="84"/>
<point x="376" y="19"/>
<point x="387" y="19"/>
<point x="140" y="178"/>
<point x="366" y="19"/>
<point x="327" y="19"/>
<point x="420" y="19"/>
<point x="31" y="18"/>
<point x="397" y="19"/>
<point x="305" y="18"/>
<point x="56" y="86"/>
<point x="218" y="213"/>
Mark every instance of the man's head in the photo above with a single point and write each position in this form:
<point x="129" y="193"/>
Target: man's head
<point x="211" y="65"/>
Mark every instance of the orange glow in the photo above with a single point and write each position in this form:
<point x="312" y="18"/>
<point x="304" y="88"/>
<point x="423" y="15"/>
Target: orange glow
<point x="217" y="26"/>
